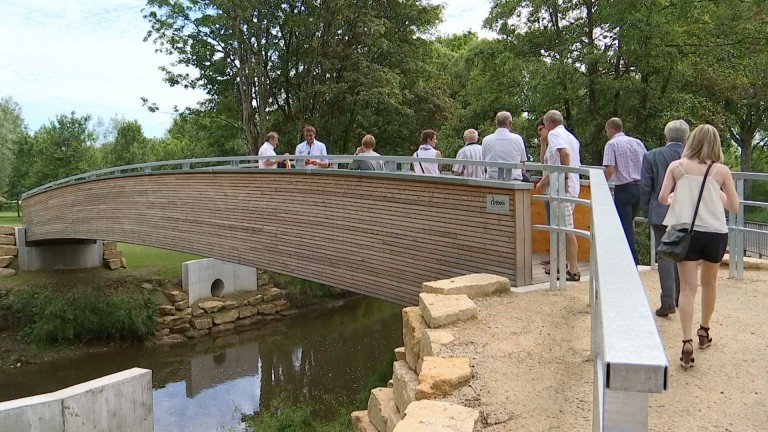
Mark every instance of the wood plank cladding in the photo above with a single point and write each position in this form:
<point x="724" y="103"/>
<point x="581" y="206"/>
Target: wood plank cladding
<point x="380" y="235"/>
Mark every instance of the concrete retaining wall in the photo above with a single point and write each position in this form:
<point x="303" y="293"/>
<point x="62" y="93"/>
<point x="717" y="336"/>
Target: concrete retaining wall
<point x="215" y="278"/>
<point x="116" y="403"/>
<point x="86" y="254"/>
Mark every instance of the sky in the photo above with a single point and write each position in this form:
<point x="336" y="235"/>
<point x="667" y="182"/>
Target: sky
<point x="88" y="56"/>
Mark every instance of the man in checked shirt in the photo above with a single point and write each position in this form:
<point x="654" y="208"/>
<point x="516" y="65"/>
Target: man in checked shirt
<point x="623" y="160"/>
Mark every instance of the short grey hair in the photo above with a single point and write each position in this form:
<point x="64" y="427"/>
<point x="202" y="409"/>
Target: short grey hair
<point x="470" y="136"/>
<point x="503" y="119"/>
<point x="553" y="117"/>
<point x="677" y="131"/>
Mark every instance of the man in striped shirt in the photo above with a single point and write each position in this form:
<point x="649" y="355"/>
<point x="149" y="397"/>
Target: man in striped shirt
<point x="623" y="160"/>
<point x="471" y="151"/>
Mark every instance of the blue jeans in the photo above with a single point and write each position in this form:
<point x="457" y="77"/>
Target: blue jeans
<point x="627" y="200"/>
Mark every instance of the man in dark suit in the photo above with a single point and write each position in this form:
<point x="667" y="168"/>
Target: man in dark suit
<point x="655" y="165"/>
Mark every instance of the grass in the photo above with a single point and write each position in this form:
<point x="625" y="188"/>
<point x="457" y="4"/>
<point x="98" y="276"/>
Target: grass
<point x="162" y="262"/>
<point x="9" y="218"/>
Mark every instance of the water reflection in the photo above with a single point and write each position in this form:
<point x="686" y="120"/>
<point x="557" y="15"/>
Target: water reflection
<point x="325" y="355"/>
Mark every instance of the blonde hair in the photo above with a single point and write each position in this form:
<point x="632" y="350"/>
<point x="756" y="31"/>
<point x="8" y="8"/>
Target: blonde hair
<point x="704" y="144"/>
<point x="369" y="141"/>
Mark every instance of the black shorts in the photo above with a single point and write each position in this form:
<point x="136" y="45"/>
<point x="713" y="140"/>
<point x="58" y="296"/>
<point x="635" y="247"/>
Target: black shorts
<point x="707" y="246"/>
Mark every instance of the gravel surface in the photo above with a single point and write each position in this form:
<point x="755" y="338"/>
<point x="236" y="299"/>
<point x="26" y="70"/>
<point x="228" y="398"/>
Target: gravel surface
<point x="532" y="369"/>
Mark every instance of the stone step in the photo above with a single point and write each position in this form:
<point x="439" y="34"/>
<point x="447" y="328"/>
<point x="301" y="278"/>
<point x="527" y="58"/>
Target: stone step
<point x="5" y="261"/>
<point x="380" y="405"/>
<point x="473" y="285"/>
<point x="435" y="416"/>
<point x="440" y="310"/>
<point x="361" y="422"/>
<point x="442" y="376"/>
<point x="432" y="343"/>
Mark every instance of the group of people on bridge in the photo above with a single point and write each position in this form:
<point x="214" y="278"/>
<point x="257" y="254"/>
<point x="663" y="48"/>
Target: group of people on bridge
<point x="664" y="184"/>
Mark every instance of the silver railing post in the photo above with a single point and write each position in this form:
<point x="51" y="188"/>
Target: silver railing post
<point x="561" y="239"/>
<point x="147" y="168"/>
<point x="740" y="230"/>
<point x="652" y="245"/>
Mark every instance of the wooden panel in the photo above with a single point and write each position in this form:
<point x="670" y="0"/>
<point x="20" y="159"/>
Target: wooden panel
<point x="381" y="236"/>
<point x="581" y="220"/>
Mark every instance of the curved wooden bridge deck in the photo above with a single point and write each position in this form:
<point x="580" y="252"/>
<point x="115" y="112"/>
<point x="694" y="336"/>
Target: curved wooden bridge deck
<point x="379" y="234"/>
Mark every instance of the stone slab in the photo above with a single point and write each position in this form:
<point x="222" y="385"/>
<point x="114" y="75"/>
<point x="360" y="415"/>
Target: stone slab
<point x="6" y="272"/>
<point x="5" y="261"/>
<point x="7" y="230"/>
<point x="404" y="383"/>
<point x="361" y="423"/>
<point x="380" y="405"/>
<point x="432" y="342"/>
<point x="392" y="420"/>
<point x="8" y="240"/>
<point x="6" y="250"/>
<point x="399" y="353"/>
<point x="472" y="285"/>
<point x="442" y="376"/>
<point x="440" y="310"/>
<point x="436" y="416"/>
<point x="112" y="254"/>
<point x="413" y="325"/>
<point x="214" y="278"/>
<point x="113" y="264"/>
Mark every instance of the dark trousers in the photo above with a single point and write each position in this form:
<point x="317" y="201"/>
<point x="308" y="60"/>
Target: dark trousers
<point x="627" y="200"/>
<point x="668" y="277"/>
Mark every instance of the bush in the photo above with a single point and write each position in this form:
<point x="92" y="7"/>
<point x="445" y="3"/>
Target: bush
<point x="283" y="416"/>
<point x="48" y="316"/>
<point x="643" y="243"/>
<point x="301" y="292"/>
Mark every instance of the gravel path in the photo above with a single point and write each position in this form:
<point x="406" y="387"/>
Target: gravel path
<point x="532" y="371"/>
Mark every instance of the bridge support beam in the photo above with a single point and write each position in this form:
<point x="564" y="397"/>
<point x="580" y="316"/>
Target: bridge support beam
<point x="58" y="254"/>
<point x="216" y="278"/>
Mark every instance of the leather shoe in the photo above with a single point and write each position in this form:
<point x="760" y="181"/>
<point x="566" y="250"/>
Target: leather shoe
<point x="662" y="311"/>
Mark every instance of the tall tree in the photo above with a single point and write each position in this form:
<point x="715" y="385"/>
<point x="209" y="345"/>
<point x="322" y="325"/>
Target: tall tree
<point x="129" y="146"/>
<point x="63" y="148"/>
<point x="12" y="131"/>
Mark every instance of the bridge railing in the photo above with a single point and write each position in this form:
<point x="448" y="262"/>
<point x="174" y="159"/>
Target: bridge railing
<point x="629" y="358"/>
<point x="743" y="236"/>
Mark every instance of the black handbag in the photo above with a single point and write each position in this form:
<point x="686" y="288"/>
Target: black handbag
<point x="674" y="244"/>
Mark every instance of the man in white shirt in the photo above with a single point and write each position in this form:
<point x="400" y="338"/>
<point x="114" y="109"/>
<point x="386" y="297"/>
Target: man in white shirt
<point x="427" y="150"/>
<point x="564" y="149"/>
<point x="504" y="146"/>
<point x="268" y="149"/>
<point x="366" y="149"/>
<point x="312" y="147"/>
<point x="471" y="151"/>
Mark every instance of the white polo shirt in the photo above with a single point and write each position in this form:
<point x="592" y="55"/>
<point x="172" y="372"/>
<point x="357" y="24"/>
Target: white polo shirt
<point x="504" y="146"/>
<point x="558" y="138"/>
<point x="316" y="149"/>
<point x="266" y="149"/>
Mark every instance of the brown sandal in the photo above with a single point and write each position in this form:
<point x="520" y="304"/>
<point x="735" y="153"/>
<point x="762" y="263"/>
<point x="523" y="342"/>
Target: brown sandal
<point x="704" y="340"/>
<point x="686" y="357"/>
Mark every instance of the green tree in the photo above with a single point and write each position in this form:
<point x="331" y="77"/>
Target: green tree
<point x="348" y="68"/>
<point x="63" y="148"/>
<point x="12" y="131"/>
<point x="129" y="147"/>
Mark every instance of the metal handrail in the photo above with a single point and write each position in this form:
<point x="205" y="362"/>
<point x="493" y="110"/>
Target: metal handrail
<point x="736" y="229"/>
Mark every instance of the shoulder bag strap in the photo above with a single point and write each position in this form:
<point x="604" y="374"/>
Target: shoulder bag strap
<point x="701" y="193"/>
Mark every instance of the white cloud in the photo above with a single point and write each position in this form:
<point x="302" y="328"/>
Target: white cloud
<point x="89" y="56"/>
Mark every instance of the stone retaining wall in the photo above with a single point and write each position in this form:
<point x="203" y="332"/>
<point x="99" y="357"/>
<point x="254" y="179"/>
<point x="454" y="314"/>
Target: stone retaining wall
<point x="113" y="257"/>
<point x="179" y="321"/>
<point x="420" y="373"/>
<point x="8" y="250"/>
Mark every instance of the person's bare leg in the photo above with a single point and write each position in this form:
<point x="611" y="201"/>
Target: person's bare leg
<point x="708" y="298"/>
<point x="688" y="288"/>
<point x="572" y="253"/>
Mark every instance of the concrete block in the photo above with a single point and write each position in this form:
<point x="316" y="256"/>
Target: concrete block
<point x="117" y="402"/>
<point x="215" y="278"/>
<point x="436" y="416"/>
<point x="40" y="413"/>
<point x="79" y="254"/>
<point x="473" y="285"/>
<point x="440" y="310"/>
